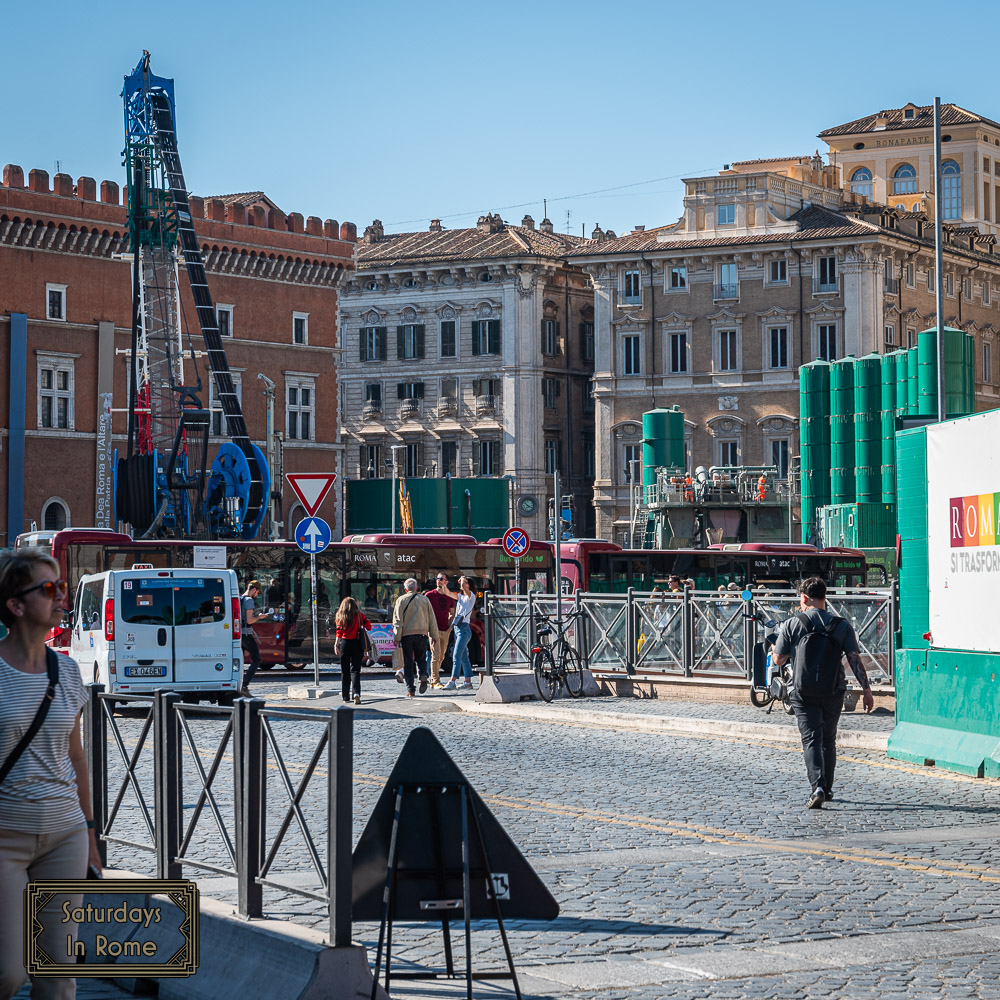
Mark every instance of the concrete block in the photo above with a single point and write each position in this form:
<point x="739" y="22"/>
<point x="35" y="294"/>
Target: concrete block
<point x="514" y="687"/>
<point x="304" y="693"/>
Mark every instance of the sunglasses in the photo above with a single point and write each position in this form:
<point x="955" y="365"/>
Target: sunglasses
<point x="50" y="588"/>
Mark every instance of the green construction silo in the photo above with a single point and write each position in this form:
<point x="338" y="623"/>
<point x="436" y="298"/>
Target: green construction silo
<point x="842" y="485"/>
<point x="912" y="389"/>
<point x="959" y="373"/>
<point x="902" y="381"/>
<point x="814" y="442"/>
<point x="927" y="373"/>
<point x="888" y="427"/>
<point x="868" y="429"/>
<point x="662" y="442"/>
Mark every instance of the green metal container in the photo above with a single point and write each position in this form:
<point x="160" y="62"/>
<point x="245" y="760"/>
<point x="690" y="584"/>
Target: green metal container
<point x="662" y="442"/>
<point x="927" y="373"/>
<point x="868" y="428"/>
<point x="842" y="484"/>
<point x="912" y="391"/>
<point x="888" y="428"/>
<point x="901" y="358"/>
<point x="814" y="441"/>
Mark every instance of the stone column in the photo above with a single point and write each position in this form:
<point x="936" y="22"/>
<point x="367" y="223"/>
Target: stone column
<point x="862" y="271"/>
<point x="603" y="280"/>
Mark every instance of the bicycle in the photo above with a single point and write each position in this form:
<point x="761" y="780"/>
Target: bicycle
<point x="554" y="662"/>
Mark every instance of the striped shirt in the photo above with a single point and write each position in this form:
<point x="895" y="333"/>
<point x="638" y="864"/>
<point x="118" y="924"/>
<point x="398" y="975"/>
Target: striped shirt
<point x="40" y="794"/>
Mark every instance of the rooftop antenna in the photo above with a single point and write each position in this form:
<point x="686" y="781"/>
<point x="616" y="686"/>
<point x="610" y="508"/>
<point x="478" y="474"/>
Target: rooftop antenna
<point x="545" y="208"/>
<point x="568" y="215"/>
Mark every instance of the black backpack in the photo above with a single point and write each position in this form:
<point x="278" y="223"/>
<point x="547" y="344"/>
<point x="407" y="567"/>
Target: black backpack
<point x="817" y="671"/>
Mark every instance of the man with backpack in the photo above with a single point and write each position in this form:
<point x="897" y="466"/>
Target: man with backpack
<point x="816" y="641"/>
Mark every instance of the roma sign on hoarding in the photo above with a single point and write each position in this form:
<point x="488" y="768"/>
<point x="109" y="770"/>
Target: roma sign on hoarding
<point x="963" y="501"/>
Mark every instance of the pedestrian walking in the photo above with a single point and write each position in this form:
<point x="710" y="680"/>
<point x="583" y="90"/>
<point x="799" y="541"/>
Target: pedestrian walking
<point x="46" y="821"/>
<point x="816" y="640"/>
<point x="443" y="602"/>
<point x="412" y="621"/>
<point x="351" y="627"/>
<point x="248" y="641"/>
<point x="460" y="662"/>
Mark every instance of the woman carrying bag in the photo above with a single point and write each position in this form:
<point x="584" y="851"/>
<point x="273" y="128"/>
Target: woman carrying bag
<point x="460" y="662"/>
<point x="352" y="646"/>
<point x="46" y="824"/>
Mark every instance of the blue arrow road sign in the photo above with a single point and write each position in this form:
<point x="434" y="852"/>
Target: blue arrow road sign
<point x="312" y="535"/>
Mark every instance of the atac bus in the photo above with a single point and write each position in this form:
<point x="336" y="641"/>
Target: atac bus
<point x="370" y="568"/>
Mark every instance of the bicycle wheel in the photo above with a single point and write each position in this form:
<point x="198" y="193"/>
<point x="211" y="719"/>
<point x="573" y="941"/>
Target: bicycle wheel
<point x="544" y="669"/>
<point x="573" y="668"/>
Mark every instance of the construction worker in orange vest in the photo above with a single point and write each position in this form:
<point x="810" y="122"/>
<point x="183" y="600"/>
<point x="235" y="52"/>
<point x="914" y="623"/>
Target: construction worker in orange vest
<point x="761" y="487"/>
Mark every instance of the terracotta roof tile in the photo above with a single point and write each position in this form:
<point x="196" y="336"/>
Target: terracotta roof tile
<point x="923" y="117"/>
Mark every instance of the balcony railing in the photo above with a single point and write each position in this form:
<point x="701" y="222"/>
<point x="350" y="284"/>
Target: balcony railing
<point x="487" y="406"/>
<point x="447" y="407"/>
<point x="372" y="410"/>
<point x="891" y="286"/>
<point x="727" y="291"/>
<point x="409" y="408"/>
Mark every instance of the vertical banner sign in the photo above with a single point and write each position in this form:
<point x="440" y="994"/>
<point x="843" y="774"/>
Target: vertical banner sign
<point x="105" y="456"/>
<point x="963" y="537"/>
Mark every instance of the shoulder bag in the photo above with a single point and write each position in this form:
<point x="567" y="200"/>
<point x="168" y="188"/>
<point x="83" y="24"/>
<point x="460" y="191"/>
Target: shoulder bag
<point x="52" y="668"/>
<point x="397" y="653"/>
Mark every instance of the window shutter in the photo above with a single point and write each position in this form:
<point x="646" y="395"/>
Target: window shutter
<point x="476" y="455"/>
<point x="419" y="393"/>
<point x="420" y="340"/>
<point x="382" y="338"/>
<point x="475" y="387"/>
<point x="400" y="345"/>
<point x="557" y="345"/>
<point x="493" y="336"/>
<point x="544" y="345"/>
<point x="400" y="390"/>
<point x="475" y="337"/>
<point x="558" y="388"/>
<point x="362" y="338"/>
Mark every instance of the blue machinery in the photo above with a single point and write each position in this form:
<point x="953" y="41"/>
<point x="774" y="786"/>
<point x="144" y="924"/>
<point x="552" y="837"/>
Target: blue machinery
<point x="161" y="486"/>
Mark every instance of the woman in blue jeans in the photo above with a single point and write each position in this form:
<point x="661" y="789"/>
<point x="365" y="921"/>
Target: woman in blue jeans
<point x="460" y="662"/>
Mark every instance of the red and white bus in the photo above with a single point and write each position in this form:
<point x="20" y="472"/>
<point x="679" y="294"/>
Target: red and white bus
<point x="370" y="568"/>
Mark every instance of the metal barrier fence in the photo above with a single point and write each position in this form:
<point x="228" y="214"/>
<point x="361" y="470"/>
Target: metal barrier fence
<point x="694" y="632"/>
<point x="166" y="766"/>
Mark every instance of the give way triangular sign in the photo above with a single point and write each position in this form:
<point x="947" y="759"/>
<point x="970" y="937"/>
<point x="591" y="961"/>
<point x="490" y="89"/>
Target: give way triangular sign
<point x="311" y="488"/>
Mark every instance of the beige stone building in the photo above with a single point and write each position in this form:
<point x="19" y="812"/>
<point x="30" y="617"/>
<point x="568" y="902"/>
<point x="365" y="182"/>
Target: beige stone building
<point x="773" y="264"/>
<point x="470" y="352"/>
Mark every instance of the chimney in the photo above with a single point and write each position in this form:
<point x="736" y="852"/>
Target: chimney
<point x="528" y="222"/>
<point x="374" y="232"/>
<point x="639" y="229"/>
<point x="435" y="226"/>
<point x="546" y="226"/>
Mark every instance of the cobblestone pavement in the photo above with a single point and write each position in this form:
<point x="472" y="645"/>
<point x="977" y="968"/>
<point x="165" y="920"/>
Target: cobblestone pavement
<point x="685" y="865"/>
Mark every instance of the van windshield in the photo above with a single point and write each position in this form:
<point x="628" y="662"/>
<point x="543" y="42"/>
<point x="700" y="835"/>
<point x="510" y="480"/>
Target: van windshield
<point x="163" y="601"/>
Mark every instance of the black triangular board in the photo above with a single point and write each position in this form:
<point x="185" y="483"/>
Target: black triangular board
<point x="429" y="846"/>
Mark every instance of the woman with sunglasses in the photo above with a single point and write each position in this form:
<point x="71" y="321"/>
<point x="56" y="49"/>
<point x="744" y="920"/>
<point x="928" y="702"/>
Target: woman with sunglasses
<point x="460" y="662"/>
<point x="46" y="822"/>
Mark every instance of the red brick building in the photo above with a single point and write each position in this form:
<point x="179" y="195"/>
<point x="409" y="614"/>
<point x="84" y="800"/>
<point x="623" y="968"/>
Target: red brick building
<point x="66" y="320"/>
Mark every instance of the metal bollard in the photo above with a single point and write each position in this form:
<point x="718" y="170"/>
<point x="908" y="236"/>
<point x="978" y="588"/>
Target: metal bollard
<point x="167" y="791"/>
<point x="749" y="637"/>
<point x="95" y="744"/>
<point x="687" y="633"/>
<point x="631" y="639"/>
<point x="491" y="642"/>
<point x="248" y="786"/>
<point x="340" y="766"/>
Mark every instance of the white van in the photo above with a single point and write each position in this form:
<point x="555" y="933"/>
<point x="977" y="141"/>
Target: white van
<point x="141" y="629"/>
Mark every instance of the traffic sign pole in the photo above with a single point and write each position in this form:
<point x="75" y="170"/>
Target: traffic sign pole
<point x="315" y="618"/>
<point x="312" y="535"/>
<point x="517" y="576"/>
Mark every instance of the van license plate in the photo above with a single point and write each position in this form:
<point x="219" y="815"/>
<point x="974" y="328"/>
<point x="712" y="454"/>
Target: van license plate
<point x="145" y="671"/>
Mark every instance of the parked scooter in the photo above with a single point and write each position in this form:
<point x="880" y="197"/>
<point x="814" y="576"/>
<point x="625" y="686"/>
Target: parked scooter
<point x="769" y="682"/>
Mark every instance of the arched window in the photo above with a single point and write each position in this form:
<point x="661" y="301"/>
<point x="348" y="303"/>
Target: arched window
<point x="55" y="515"/>
<point x="951" y="190"/>
<point x="861" y="182"/>
<point x="904" y="180"/>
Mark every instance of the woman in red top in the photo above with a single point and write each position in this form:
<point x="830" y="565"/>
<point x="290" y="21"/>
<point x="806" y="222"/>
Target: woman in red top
<point x="350" y="622"/>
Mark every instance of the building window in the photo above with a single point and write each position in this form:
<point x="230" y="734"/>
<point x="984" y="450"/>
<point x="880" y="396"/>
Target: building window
<point x="409" y="341"/>
<point x="778" y="271"/>
<point x="55" y="301"/>
<point x="949" y="285"/>
<point x="779" y="456"/>
<point x="219" y="426"/>
<point x="930" y="278"/>
<point x="372" y="339"/>
<point x="967" y="288"/>
<point x="550" y="336"/>
<point x="448" y="339"/>
<point x="299" y="408"/>
<point x="986" y="291"/>
<point x="449" y="458"/>
<point x="728" y="351"/>
<point x="373" y="395"/>
<point x="411" y="460"/>
<point x="300" y="328"/>
<point x="486" y="336"/>
<point x="727" y="287"/>
<point x="827" y="274"/>
<point x="631" y="287"/>
<point x="728" y="453"/>
<point x="725" y="215"/>
<point x="826" y="349"/>
<point x="587" y="341"/>
<point x="409" y="390"/>
<point x="911" y="338"/>
<point x="678" y="353"/>
<point x="678" y="279"/>
<point x="486" y="387"/>
<point x="777" y="353"/>
<point x="55" y="515"/>
<point x="904" y="180"/>
<point x="224" y="319"/>
<point x="589" y="455"/>
<point x="890" y="336"/>
<point x="631" y="358"/>
<point x="631" y="463"/>
<point x="56" y="388"/>
<point x="371" y="461"/>
<point x="550" y="392"/>
<point x="488" y="454"/>
<point x="911" y="280"/>
<point x="891" y="283"/>
<point x="987" y="362"/>
<point x="951" y="190"/>
<point x="553" y="455"/>
<point x="861" y="182"/>
<point x="588" y="396"/>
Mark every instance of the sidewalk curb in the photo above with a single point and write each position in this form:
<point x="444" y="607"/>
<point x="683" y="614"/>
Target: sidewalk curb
<point x="751" y="731"/>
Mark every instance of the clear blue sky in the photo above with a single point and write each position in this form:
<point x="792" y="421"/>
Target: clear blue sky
<point x="407" y="111"/>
